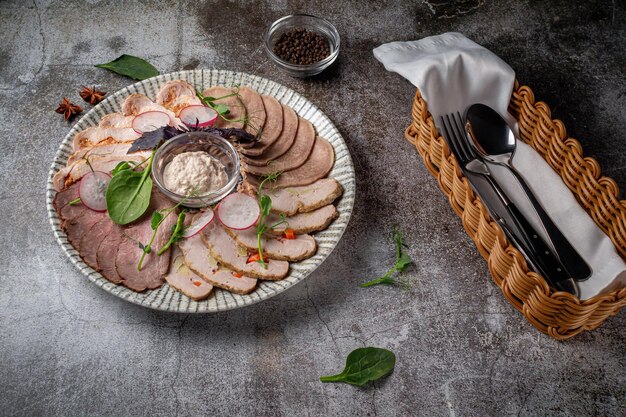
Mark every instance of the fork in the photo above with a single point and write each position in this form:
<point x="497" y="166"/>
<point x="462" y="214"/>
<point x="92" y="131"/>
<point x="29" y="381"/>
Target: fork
<point x="535" y="249"/>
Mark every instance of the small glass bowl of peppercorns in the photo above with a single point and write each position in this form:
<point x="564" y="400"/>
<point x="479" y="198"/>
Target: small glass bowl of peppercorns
<point x="302" y="45"/>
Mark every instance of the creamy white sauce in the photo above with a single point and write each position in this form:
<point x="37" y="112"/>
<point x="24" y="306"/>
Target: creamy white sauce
<point x="194" y="172"/>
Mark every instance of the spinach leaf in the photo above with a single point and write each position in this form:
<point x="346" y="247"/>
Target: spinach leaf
<point x="364" y="365"/>
<point x="131" y="66"/>
<point x="128" y="196"/>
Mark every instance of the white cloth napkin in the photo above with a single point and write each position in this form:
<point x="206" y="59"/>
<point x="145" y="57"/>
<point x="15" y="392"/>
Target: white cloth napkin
<point x="453" y="72"/>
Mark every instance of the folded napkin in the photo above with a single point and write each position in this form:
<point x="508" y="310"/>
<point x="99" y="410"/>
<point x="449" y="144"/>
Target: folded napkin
<point x="452" y="73"/>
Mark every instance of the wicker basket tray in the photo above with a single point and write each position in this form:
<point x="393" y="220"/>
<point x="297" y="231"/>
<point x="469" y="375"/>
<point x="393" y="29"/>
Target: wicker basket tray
<point x="558" y="314"/>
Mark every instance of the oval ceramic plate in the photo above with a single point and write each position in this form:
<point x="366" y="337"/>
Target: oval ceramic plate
<point x="165" y="297"/>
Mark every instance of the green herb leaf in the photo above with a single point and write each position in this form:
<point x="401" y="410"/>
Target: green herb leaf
<point x="384" y="280"/>
<point x="403" y="262"/>
<point x="128" y="196"/>
<point x="74" y="202"/>
<point x="120" y="167"/>
<point x="221" y="109"/>
<point x="131" y="66"/>
<point x="157" y="217"/>
<point x="364" y="365"/>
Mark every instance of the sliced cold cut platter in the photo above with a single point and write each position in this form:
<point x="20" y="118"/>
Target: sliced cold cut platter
<point x="298" y="151"/>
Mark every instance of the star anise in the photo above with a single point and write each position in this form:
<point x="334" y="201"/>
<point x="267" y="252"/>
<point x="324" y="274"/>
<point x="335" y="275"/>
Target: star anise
<point x="91" y="95"/>
<point x="68" y="109"/>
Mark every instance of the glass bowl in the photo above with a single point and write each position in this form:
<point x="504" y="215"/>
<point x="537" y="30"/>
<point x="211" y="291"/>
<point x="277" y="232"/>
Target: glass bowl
<point x="312" y="23"/>
<point x="216" y="146"/>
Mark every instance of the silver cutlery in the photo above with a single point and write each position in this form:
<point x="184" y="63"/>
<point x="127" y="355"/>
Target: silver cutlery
<point x="494" y="141"/>
<point x="508" y="216"/>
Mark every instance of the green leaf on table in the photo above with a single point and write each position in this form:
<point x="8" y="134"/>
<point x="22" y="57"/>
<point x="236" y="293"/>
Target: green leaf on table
<point x="364" y="365"/>
<point x="131" y="66"/>
<point x="403" y="262"/>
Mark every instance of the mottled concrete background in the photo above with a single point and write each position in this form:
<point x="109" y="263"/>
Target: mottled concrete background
<point x="69" y="348"/>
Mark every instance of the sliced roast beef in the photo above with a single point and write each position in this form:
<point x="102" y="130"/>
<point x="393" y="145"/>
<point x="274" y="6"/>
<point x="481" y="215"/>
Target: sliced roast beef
<point x="226" y="251"/>
<point x="292" y="200"/>
<point x="62" y="201"/>
<point x="275" y="247"/>
<point x="237" y="111"/>
<point x="77" y="227"/>
<point x="301" y="223"/>
<point x="92" y="239"/>
<point x="295" y="157"/>
<point x="317" y="166"/>
<point x="272" y="128"/>
<point x="282" y="144"/>
<point x="154" y="267"/>
<point x="255" y="110"/>
<point x="199" y="260"/>
<point x="107" y="252"/>
<point x="183" y="279"/>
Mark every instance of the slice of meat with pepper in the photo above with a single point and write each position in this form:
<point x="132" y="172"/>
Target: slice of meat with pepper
<point x="183" y="279"/>
<point x="296" y="249"/>
<point x="301" y="223"/>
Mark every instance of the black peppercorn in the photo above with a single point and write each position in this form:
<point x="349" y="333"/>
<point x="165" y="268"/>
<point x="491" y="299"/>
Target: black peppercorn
<point x="302" y="47"/>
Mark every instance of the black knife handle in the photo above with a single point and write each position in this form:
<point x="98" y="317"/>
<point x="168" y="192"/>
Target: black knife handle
<point x="541" y="254"/>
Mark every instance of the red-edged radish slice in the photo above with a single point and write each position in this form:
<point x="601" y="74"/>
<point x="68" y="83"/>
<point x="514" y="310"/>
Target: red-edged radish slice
<point x="198" y="114"/>
<point x="92" y="190"/>
<point x="150" y="120"/>
<point x="238" y="211"/>
<point x="201" y="221"/>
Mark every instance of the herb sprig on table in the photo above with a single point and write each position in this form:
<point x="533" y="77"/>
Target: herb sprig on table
<point x="402" y="262"/>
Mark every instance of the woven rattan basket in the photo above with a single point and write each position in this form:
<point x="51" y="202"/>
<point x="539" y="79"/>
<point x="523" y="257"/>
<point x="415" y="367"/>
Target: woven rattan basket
<point x="558" y="314"/>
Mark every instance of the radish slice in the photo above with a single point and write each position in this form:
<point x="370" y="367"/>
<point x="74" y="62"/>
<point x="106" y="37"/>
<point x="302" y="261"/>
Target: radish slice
<point x="198" y="115"/>
<point x="149" y="121"/>
<point x="201" y="221"/>
<point x="238" y="211"/>
<point x="92" y="190"/>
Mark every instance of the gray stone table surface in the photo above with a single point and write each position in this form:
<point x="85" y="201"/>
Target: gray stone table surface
<point x="68" y="348"/>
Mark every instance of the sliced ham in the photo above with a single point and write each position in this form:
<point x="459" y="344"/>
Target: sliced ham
<point x="295" y="157"/>
<point x="107" y="252"/>
<point x="282" y="144"/>
<point x="199" y="259"/>
<point x="225" y="250"/>
<point x="116" y="120"/>
<point x="183" y="279"/>
<point x="317" y="166"/>
<point x="91" y="241"/>
<point x="70" y="174"/>
<point x="237" y="111"/>
<point x="292" y="200"/>
<point x="302" y="247"/>
<point x="154" y="268"/>
<point x="301" y="223"/>
<point x="138" y="103"/>
<point x="175" y="95"/>
<point x="272" y="129"/>
<point x="94" y="135"/>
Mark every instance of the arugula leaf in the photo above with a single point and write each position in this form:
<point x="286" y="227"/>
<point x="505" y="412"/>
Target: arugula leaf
<point x="130" y="66"/>
<point x="402" y="262"/>
<point x="364" y="365"/>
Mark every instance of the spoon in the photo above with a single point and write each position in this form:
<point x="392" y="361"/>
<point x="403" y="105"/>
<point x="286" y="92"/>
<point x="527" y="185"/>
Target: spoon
<point x="495" y="142"/>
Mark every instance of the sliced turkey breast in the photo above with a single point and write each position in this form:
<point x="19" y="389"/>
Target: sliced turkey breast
<point x="183" y="279"/>
<point x="70" y="174"/>
<point x="154" y="268"/>
<point x="295" y="157"/>
<point x="94" y="135"/>
<point x="138" y="103"/>
<point x="225" y="250"/>
<point x="292" y="200"/>
<point x="176" y="95"/>
<point x="281" y="145"/>
<point x="301" y="223"/>
<point x="302" y="247"/>
<point x="237" y="111"/>
<point x="100" y="150"/>
<point x="272" y="128"/>
<point x="199" y="260"/>
<point x="317" y="166"/>
<point x="116" y="120"/>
